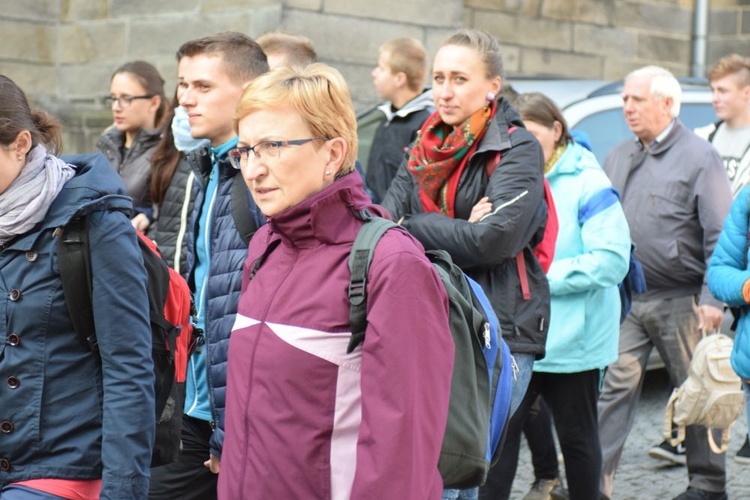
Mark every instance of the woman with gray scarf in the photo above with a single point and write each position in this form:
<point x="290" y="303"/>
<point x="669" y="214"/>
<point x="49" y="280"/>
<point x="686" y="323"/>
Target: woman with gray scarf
<point x="71" y="420"/>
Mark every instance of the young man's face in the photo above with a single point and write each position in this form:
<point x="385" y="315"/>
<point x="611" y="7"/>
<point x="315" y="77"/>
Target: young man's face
<point x="209" y="96"/>
<point x="730" y="96"/>
<point x="383" y="78"/>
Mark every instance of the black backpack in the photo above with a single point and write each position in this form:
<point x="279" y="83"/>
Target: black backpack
<point x="479" y="406"/>
<point x="170" y="308"/>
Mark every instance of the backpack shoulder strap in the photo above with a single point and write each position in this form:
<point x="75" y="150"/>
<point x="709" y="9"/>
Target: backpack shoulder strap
<point x="243" y="219"/>
<point x="359" y="264"/>
<point x="74" y="262"/>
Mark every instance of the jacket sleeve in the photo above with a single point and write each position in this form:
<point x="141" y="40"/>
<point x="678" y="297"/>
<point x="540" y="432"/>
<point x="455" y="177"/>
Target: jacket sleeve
<point x="714" y="196"/>
<point x="515" y="189"/>
<point x="121" y="317"/>
<point x="407" y="361"/>
<point x="728" y="270"/>
<point x="398" y="198"/>
<point x="605" y="249"/>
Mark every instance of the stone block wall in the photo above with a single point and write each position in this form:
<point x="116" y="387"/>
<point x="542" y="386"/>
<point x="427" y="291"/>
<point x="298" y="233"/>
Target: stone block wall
<point x="62" y="52"/>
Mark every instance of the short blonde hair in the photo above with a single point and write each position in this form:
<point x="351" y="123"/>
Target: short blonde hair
<point x="297" y="49"/>
<point x="318" y="93"/>
<point x="731" y="64"/>
<point x="408" y="56"/>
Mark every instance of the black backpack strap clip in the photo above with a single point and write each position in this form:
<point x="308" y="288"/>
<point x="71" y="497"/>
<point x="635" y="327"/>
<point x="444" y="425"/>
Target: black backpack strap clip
<point x="359" y="264"/>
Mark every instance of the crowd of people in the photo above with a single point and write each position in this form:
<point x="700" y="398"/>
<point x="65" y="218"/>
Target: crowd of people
<point x="248" y="181"/>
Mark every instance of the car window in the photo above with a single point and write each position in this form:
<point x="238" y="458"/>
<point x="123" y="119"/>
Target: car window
<point x="695" y="115"/>
<point x="607" y="128"/>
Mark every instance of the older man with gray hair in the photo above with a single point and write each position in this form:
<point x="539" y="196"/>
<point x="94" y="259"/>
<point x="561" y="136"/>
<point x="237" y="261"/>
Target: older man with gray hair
<point x="675" y="193"/>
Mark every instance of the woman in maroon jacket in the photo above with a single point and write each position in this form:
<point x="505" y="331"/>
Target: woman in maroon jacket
<point x="304" y="419"/>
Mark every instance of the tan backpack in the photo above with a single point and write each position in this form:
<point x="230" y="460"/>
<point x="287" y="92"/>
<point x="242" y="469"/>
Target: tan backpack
<point x="710" y="396"/>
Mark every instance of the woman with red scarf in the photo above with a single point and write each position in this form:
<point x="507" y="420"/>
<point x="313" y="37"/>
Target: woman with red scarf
<point x="444" y="196"/>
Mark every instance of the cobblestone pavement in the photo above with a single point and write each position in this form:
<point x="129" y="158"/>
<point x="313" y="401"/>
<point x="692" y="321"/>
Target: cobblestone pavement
<point x="640" y="476"/>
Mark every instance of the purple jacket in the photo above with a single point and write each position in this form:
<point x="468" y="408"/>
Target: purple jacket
<point x="303" y="418"/>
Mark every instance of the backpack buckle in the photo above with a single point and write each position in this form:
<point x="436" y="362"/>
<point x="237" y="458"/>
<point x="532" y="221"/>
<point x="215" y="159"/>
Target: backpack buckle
<point x="357" y="291"/>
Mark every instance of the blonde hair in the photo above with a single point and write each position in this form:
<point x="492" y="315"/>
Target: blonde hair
<point x="297" y="49"/>
<point x="486" y="46"/>
<point x="318" y="93"/>
<point x="731" y="64"/>
<point x="408" y="56"/>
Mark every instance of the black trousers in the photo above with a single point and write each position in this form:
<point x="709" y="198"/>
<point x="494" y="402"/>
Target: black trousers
<point x="187" y="478"/>
<point x="572" y="398"/>
<point x="538" y="433"/>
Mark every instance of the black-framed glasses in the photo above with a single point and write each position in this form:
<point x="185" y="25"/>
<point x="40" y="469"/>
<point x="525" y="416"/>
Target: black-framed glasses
<point x="266" y="149"/>
<point x="124" y="100"/>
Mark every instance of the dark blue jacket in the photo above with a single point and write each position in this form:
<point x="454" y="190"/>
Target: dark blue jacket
<point x="228" y="252"/>
<point x="69" y="416"/>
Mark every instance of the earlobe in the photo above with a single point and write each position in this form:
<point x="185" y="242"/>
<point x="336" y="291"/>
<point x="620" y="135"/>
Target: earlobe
<point x="336" y="153"/>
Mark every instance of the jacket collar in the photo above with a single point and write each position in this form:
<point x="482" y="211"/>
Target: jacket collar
<point x="497" y="137"/>
<point x="420" y="102"/>
<point x="657" y="148"/>
<point x="96" y="186"/>
<point x="327" y="216"/>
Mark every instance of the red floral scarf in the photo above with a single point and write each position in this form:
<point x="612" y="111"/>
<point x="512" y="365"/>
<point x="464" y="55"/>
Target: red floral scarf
<point x="440" y="155"/>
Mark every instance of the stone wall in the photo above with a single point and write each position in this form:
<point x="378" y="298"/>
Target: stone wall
<point x="62" y="52"/>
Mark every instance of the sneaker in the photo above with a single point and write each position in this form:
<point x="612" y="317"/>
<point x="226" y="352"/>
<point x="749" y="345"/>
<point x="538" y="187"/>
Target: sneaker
<point x="559" y="493"/>
<point x="665" y="451"/>
<point x="696" y="494"/>
<point x="743" y="456"/>
<point x="541" y="489"/>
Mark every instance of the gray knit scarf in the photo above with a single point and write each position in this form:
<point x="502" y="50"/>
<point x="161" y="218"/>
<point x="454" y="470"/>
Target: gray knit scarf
<point x="26" y="201"/>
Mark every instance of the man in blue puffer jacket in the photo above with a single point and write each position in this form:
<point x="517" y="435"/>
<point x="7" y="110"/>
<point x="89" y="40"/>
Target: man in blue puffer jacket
<point x="212" y="73"/>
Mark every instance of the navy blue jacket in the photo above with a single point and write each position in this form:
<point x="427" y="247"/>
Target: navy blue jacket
<point x="228" y="252"/>
<point x="69" y="416"/>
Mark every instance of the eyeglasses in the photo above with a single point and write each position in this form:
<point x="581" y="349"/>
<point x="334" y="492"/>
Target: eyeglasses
<point x="266" y="149"/>
<point x="124" y="100"/>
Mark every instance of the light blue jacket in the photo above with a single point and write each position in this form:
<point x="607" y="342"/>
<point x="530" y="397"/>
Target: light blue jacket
<point x="591" y="257"/>
<point x="728" y="270"/>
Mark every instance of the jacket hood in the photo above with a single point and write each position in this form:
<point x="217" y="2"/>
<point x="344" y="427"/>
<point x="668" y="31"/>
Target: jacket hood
<point x="422" y="101"/>
<point x="320" y="218"/>
<point x="96" y="186"/>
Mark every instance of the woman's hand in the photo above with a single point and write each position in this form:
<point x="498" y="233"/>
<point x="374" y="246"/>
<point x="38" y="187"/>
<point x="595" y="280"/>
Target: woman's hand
<point x="482" y="208"/>
<point x="140" y="222"/>
<point x="213" y="463"/>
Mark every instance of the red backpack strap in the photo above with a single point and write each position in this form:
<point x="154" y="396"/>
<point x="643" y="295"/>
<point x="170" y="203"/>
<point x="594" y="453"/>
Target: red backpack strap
<point x="523" y="277"/>
<point x="545" y="250"/>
